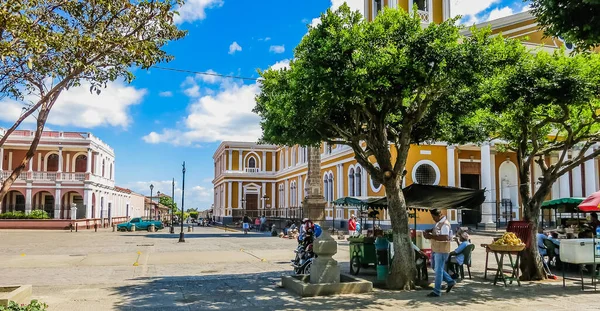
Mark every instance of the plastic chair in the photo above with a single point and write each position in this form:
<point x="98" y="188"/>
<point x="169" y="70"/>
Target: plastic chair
<point x="551" y="252"/>
<point x="466" y="262"/>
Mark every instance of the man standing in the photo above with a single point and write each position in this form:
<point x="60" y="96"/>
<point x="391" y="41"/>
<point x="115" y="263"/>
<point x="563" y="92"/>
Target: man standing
<point x="352" y="225"/>
<point x="440" y="247"/>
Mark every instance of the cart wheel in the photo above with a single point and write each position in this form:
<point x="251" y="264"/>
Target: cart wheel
<point x="355" y="265"/>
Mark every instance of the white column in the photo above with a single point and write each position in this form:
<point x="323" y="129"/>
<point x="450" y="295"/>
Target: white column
<point x="57" y="199"/>
<point x="28" y="198"/>
<point x="263" y="164"/>
<point x="451" y="161"/>
<point x="273" y="163"/>
<point x="39" y="166"/>
<point x="60" y="160"/>
<point x="88" y="167"/>
<point x="30" y="164"/>
<point x="230" y="159"/>
<point x="273" y="196"/>
<point x="486" y="182"/>
<point x="446" y="9"/>
<point x="240" y="205"/>
<point x="565" y="189"/>
<point x="1" y="159"/>
<point x="68" y="161"/>
<point x="240" y="158"/>
<point x="577" y="178"/>
<point x="590" y="174"/>
<point x="263" y="192"/>
<point x="10" y="167"/>
<point x="229" y="187"/>
<point x="556" y="184"/>
<point x="286" y="194"/>
<point x="286" y="157"/>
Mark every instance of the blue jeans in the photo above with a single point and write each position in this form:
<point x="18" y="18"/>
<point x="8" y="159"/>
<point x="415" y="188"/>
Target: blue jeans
<point x="439" y="260"/>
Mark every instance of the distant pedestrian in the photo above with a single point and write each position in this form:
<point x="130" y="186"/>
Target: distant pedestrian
<point x="263" y="223"/>
<point x="257" y="224"/>
<point x="352" y="225"/>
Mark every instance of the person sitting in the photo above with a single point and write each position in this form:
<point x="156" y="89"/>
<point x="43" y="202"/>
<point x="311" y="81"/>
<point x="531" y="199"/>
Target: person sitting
<point x="457" y="257"/>
<point x="594" y="223"/>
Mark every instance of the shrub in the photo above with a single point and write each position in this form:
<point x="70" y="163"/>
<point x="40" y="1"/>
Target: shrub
<point x="35" y="214"/>
<point x="39" y="214"/>
<point x="34" y="305"/>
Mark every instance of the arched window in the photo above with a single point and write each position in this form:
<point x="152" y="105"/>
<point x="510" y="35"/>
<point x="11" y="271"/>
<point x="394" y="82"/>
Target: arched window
<point x="52" y="163"/>
<point x="81" y="164"/>
<point x="293" y="194"/>
<point x="358" y="180"/>
<point x="326" y="188"/>
<point x="252" y="162"/>
<point x="281" y="196"/>
<point x="351" y="182"/>
<point x="330" y="182"/>
<point x="305" y="152"/>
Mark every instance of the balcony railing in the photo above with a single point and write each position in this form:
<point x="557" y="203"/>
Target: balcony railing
<point x="424" y="15"/>
<point x="252" y="169"/>
<point x="54" y="176"/>
<point x="73" y="176"/>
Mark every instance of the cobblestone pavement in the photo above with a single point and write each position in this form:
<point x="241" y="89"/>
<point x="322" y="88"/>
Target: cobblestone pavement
<point x="219" y="270"/>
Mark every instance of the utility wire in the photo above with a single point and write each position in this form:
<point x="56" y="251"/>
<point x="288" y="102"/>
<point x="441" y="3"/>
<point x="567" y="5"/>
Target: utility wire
<point x="214" y="74"/>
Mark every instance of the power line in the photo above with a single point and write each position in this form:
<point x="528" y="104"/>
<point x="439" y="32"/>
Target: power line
<point x="214" y="74"/>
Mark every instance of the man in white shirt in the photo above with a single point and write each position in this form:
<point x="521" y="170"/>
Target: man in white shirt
<point x="440" y="237"/>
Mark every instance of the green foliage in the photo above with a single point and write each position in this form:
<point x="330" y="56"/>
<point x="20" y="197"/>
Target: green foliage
<point x="70" y="42"/>
<point x="185" y="215"/>
<point x="193" y="214"/>
<point x="168" y="202"/>
<point x="35" y="214"/>
<point x="34" y="305"/>
<point x="575" y="21"/>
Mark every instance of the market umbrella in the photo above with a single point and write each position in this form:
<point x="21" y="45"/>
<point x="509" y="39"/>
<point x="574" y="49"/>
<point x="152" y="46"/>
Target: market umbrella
<point x="591" y="203"/>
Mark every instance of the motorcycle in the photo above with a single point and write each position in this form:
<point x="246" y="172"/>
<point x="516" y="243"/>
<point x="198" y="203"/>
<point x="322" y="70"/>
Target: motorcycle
<point x="304" y="252"/>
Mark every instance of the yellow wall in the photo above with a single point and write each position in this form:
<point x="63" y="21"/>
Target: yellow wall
<point x="236" y="162"/>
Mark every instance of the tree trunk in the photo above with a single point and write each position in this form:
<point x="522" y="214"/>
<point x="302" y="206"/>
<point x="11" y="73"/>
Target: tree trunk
<point x="41" y="122"/>
<point x="531" y="261"/>
<point x="403" y="270"/>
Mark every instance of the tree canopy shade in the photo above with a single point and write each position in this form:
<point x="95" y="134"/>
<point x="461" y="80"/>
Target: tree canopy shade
<point x="366" y="84"/>
<point x="576" y="21"/>
<point x="47" y="46"/>
<point x="546" y="109"/>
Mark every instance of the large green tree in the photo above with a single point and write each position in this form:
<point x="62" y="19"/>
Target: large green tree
<point x="47" y="46"/>
<point x="543" y="108"/>
<point x="168" y="202"/>
<point x="379" y="87"/>
<point x="578" y="21"/>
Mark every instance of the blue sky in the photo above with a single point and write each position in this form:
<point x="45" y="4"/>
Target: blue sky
<point x="164" y="118"/>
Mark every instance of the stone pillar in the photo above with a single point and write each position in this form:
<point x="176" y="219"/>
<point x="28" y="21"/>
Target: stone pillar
<point x="324" y="268"/>
<point x="30" y="165"/>
<point x="240" y="158"/>
<point x="263" y="192"/>
<point x="68" y="161"/>
<point x="73" y="211"/>
<point x="451" y="161"/>
<point x="486" y="182"/>
<point x="87" y="199"/>
<point x="240" y="195"/>
<point x="556" y="184"/>
<point x="273" y="205"/>
<point x="88" y="168"/>
<point x="10" y="167"/>
<point x="590" y="174"/>
<point x="577" y="178"/>
<point x="1" y="159"/>
<point x="57" y="199"/>
<point x="28" y="198"/>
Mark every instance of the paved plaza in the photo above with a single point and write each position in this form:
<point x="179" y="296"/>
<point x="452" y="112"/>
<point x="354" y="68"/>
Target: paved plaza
<point x="223" y="270"/>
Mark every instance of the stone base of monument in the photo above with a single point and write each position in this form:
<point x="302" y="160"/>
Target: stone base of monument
<point x="300" y="285"/>
<point x="19" y="294"/>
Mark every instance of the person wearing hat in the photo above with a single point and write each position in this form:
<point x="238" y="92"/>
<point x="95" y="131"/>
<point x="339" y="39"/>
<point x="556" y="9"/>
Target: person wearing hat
<point x="352" y="225"/>
<point x="440" y="237"/>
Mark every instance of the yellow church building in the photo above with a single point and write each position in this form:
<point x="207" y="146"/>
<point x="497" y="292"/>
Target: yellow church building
<point x="270" y="180"/>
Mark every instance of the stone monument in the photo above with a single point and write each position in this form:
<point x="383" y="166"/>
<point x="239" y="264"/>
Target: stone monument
<point x="324" y="268"/>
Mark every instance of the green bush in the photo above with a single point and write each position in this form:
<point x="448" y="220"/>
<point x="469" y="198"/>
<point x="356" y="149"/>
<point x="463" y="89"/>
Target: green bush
<point x="33" y="306"/>
<point x="35" y="214"/>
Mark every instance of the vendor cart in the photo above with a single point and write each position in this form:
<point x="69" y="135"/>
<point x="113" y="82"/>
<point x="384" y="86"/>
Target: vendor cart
<point x="362" y="254"/>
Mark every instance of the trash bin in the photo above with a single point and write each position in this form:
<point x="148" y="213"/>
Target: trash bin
<point x="382" y="246"/>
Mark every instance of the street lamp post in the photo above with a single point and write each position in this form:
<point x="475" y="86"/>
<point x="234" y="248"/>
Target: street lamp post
<point x="181" y="235"/>
<point x="157" y="217"/>
<point x="264" y="200"/>
<point x="151" y="201"/>
<point x="173" y="201"/>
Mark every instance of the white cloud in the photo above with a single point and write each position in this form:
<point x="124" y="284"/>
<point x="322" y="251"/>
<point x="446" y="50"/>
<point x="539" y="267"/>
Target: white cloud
<point x="264" y="39"/>
<point x="277" y="49"/>
<point x="195" y="196"/>
<point x="165" y="94"/>
<point x="281" y="64"/>
<point x="355" y="5"/>
<point x="78" y="107"/>
<point x="468" y="8"/>
<point x="499" y="13"/>
<point x="234" y="47"/>
<point x="210" y="77"/>
<point x="194" y="10"/>
<point x="190" y="87"/>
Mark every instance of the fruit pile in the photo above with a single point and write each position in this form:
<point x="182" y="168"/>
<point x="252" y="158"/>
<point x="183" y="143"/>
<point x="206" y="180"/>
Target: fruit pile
<point x="509" y="239"/>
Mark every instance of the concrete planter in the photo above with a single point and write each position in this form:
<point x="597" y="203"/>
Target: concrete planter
<point x="300" y="285"/>
<point x="19" y="294"/>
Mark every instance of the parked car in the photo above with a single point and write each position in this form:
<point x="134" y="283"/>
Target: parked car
<point x="140" y="224"/>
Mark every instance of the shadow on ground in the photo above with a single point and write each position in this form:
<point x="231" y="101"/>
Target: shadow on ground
<point x="206" y="235"/>
<point x="261" y="291"/>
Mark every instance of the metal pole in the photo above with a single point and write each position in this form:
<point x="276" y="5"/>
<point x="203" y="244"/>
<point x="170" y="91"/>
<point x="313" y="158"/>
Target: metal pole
<point x="151" y="202"/>
<point x="181" y="235"/>
<point x="173" y="201"/>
